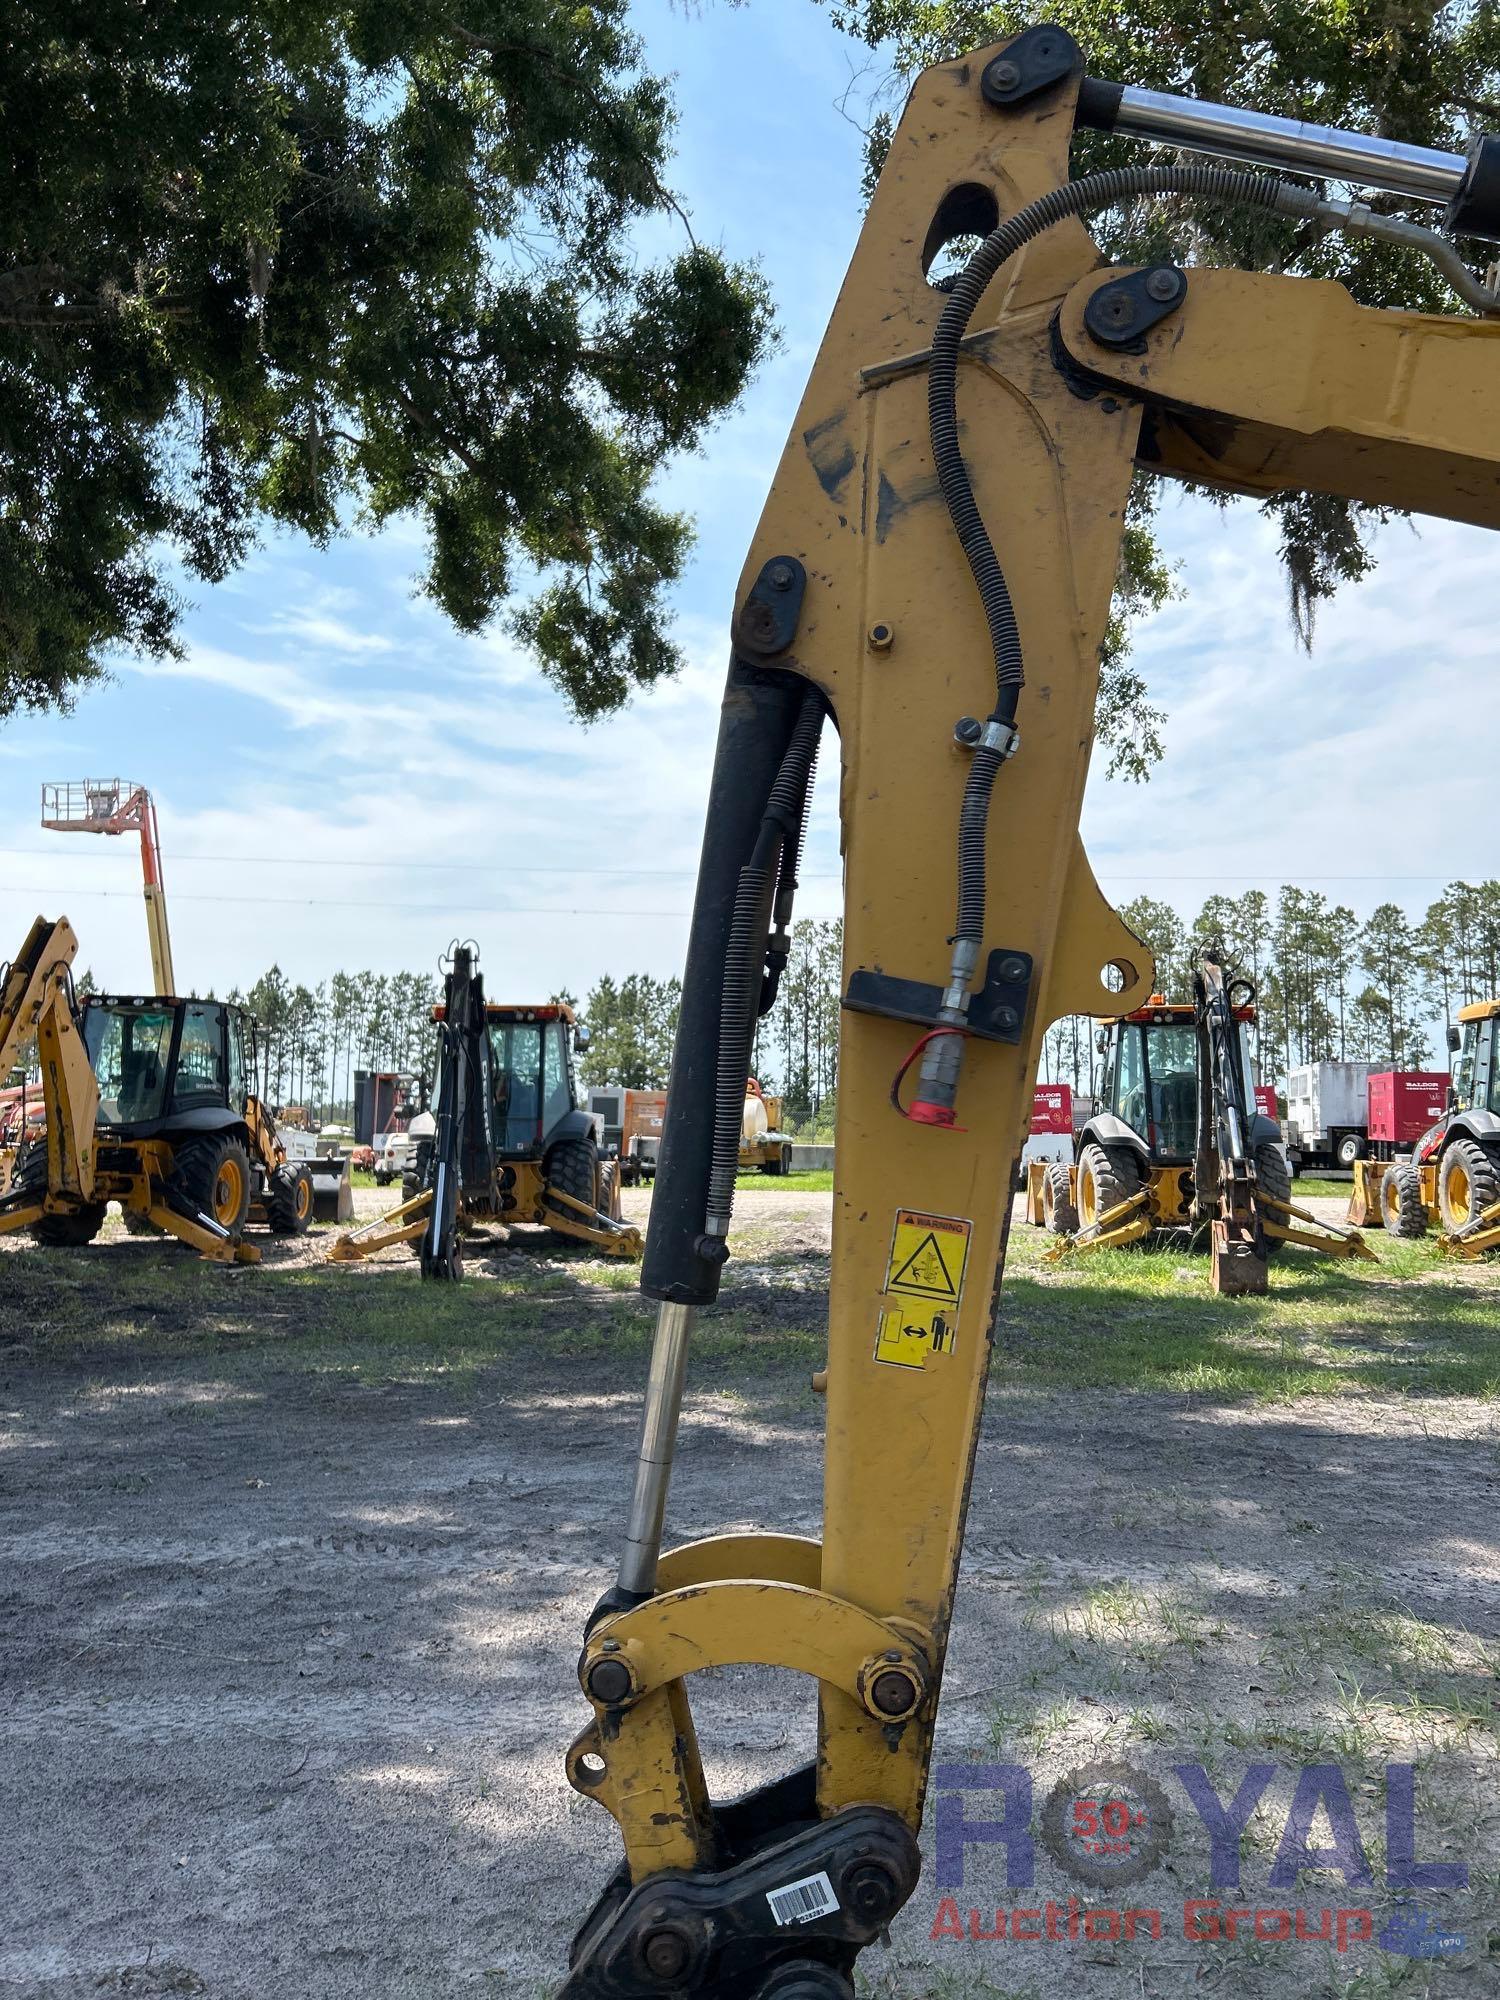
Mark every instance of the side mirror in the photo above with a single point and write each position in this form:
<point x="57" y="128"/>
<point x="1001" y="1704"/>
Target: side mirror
<point x="1455" y="1040"/>
<point x="581" y="1038"/>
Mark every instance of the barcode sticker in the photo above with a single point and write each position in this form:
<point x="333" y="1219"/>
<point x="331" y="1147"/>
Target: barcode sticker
<point x="800" y="1902"/>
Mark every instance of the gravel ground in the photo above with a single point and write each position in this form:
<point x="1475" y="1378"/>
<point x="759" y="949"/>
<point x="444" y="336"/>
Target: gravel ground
<point x="288" y="1656"/>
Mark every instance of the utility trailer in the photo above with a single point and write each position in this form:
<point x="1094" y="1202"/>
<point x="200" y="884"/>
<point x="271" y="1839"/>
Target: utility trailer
<point x="1341" y="1112"/>
<point x="763" y="1144"/>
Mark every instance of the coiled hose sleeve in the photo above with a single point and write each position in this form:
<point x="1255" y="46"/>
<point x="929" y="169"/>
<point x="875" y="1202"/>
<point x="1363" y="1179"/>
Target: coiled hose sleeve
<point x="756" y="896"/>
<point x="1081" y="197"/>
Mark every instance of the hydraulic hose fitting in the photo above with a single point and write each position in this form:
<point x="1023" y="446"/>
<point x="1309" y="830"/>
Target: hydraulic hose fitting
<point x="943" y="1056"/>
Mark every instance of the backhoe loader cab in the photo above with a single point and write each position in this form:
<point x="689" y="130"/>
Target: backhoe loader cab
<point x="504" y="1140"/>
<point x="149" y="1101"/>
<point x="1144" y="1135"/>
<point x="182" y="1074"/>
<point x="1452" y="1179"/>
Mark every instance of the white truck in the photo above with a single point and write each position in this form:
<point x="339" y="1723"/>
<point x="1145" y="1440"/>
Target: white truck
<point x="1327" y="1113"/>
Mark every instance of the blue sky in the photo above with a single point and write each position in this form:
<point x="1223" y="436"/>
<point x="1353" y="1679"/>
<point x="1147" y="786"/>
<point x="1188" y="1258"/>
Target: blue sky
<point x="345" y="782"/>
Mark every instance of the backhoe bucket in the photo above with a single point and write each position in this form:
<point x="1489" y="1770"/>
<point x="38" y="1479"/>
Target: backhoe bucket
<point x="1236" y="1265"/>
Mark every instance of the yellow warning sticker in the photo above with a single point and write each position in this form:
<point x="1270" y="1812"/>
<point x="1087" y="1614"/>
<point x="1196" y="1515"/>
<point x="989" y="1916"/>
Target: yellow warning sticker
<point x="913" y="1331"/>
<point x="924" y="1282"/>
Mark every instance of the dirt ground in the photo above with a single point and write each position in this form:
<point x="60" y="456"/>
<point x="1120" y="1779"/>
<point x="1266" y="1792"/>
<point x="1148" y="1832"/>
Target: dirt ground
<point x="296" y="1562"/>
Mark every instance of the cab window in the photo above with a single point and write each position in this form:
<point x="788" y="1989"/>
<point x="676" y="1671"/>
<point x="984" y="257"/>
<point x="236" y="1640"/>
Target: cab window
<point x="559" y="1093"/>
<point x="1130" y="1082"/>
<point x="129" y="1048"/>
<point x="517" y="1050"/>
<point x="1172" y="1067"/>
<point x="1463" y="1067"/>
<point x="200" y="1059"/>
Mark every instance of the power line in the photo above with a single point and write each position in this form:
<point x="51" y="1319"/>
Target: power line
<point x="330" y="903"/>
<point x="1297" y="875"/>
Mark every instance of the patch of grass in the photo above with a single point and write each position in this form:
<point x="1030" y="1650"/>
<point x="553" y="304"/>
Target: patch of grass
<point x="1145" y="1318"/>
<point x="379" y="1326"/>
<point x="1313" y="1187"/>
<point x="811" y="1180"/>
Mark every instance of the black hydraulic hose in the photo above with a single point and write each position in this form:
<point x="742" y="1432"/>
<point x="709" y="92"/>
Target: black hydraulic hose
<point x="772" y="868"/>
<point x="1080" y="197"/>
<point x="779" y="949"/>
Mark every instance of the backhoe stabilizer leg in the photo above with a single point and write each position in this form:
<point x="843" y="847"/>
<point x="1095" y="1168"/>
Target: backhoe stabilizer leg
<point x="1329" y="1239"/>
<point x="200" y="1232"/>
<point x="402" y="1225"/>
<point x="571" y="1217"/>
<point x="1475" y="1238"/>
<point x="1127" y="1222"/>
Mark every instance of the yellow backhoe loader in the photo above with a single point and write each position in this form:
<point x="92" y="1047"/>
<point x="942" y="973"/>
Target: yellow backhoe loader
<point x="933" y="570"/>
<point x="1178" y="1143"/>
<point x="1452" y="1180"/>
<point x="149" y="1102"/>
<point x="506" y="1142"/>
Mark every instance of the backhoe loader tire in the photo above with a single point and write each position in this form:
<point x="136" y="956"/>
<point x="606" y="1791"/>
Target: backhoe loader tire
<point x="1402" y="1209"/>
<point x="1272" y="1178"/>
<point x="214" y="1175"/>
<point x="55" y="1232"/>
<point x="1468" y="1179"/>
<point x="573" y="1168"/>
<point x="1058" y="1213"/>
<point x="289" y="1201"/>
<point x="1107" y="1175"/>
<point x="609" y="1190"/>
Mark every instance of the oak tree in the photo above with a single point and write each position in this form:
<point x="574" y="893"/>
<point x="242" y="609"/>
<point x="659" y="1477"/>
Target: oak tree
<point x="315" y="265"/>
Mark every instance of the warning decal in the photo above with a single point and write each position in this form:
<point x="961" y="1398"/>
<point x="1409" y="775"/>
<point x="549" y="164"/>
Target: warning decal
<point x="924" y="1281"/>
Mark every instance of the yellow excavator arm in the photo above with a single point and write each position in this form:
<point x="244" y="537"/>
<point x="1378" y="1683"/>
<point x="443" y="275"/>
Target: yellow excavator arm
<point x="933" y="573"/>
<point x="36" y="1003"/>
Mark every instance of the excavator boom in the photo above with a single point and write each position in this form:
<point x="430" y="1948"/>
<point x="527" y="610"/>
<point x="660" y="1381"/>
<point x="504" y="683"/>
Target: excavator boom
<point x="933" y="573"/>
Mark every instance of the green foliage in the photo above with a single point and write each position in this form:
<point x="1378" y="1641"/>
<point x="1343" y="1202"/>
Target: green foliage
<point x="1424" y="75"/>
<point x="632" y="1025"/>
<point x="311" y="1040"/>
<point x="307" y="264"/>
<point x="1330" y="987"/>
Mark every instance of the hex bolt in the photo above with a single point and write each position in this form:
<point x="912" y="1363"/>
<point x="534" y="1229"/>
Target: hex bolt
<point x="780" y="576"/>
<point x="894" y="1693"/>
<point x="1012" y="968"/>
<point x="667" y="1953"/>
<point x="967" y="731"/>
<point x="1004" y="75"/>
<point x="880" y="637"/>
<point x="1007" y="1020"/>
<point x="872" y="1892"/>
<point x="609" y="1681"/>
<point x="1163" y="284"/>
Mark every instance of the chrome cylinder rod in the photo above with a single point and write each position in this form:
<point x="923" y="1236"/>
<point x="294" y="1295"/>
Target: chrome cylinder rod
<point x="653" y="1466"/>
<point x="1257" y="139"/>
